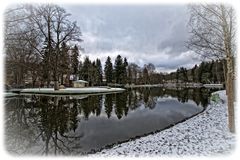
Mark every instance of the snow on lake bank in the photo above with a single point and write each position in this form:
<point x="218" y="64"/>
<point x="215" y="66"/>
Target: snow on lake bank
<point x="205" y="134"/>
<point x="85" y="90"/>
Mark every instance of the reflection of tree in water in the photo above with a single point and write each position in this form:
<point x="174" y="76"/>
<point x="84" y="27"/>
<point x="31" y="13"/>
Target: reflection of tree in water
<point x="49" y="122"/>
<point x="134" y="98"/>
<point x="183" y="95"/>
<point x="47" y="125"/>
<point x="108" y="105"/>
<point x="17" y="116"/>
<point x="91" y="104"/>
<point x="73" y="115"/>
<point x="198" y="95"/>
<point x="149" y="99"/>
<point x="120" y="104"/>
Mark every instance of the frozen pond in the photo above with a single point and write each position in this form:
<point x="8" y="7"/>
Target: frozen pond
<point x="73" y="125"/>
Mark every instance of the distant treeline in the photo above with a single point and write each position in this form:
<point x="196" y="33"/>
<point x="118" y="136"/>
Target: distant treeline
<point x="122" y="72"/>
<point x="206" y="72"/>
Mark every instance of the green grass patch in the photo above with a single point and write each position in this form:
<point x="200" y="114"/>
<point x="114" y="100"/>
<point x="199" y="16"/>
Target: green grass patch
<point x="215" y="98"/>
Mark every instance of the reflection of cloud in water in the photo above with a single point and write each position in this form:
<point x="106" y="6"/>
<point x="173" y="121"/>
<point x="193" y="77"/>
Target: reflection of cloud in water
<point x="130" y="114"/>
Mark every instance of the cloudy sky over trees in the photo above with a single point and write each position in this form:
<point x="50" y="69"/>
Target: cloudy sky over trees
<point x="144" y="34"/>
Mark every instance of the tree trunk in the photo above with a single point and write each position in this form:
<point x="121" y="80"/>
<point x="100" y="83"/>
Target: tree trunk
<point x="62" y="79"/>
<point x="225" y="75"/>
<point x="56" y="85"/>
<point x="230" y="96"/>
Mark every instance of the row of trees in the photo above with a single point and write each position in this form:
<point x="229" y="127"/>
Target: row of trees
<point x="40" y="42"/>
<point x="123" y="72"/>
<point x="206" y="72"/>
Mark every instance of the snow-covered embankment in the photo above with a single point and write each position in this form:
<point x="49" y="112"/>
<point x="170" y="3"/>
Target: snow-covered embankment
<point x="68" y="91"/>
<point x="205" y="134"/>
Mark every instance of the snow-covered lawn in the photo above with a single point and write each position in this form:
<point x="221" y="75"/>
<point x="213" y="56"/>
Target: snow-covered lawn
<point x="9" y="94"/>
<point x="204" y="134"/>
<point x="86" y="90"/>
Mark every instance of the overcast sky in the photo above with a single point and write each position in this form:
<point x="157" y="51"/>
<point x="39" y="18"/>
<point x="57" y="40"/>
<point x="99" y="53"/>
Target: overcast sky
<point x="144" y="34"/>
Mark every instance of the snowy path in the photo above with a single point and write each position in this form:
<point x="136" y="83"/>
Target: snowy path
<point x="205" y="134"/>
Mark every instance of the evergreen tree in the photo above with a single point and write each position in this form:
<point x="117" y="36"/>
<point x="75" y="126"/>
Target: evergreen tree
<point x="85" y="70"/>
<point x="145" y="75"/>
<point x="193" y="73"/>
<point x="99" y="71"/>
<point x="184" y="74"/>
<point x="108" y="70"/>
<point x="46" y="66"/>
<point x="93" y="74"/>
<point x="64" y="61"/>
<point x="125" y="74"/>
<point x="75" y="62"/>
<point x="177" y="75"/>
<point x="200" y="72"/>
<point x="118" y="69"/>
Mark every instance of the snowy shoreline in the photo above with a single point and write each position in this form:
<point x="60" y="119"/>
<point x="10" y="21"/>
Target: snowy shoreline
<point x="203" y="135"/>
<point x="67" y="91"/>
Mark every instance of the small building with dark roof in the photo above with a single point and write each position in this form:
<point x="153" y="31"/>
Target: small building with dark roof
<point x="80" y="84"/>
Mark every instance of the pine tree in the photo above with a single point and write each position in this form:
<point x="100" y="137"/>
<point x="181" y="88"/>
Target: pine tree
<point x="125" y="74"/>
<point x="118" y="69"/>
<point x="93" y="74"/>
<point x="177" y="75"/>
<point x="64" y="61"/>
<point x="85" y="70"/>
<point x="145" y="75"/>
<point x="200" y="72"/>
<point x="108" y="70"/>
<point x="75" y="62"/>
<point x="46" y="66"/>
<point x="193" y="73"/>
<point x="99" y="71"/>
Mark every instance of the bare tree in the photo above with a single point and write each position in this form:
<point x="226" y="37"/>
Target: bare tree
<point x="53" y="25"/>
<point x="42" y="29"/>
<point x="21" y="59"/>
<point x="212" y="35"/>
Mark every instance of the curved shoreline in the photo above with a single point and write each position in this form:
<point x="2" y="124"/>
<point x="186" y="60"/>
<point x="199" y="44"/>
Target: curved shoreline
<point x="144" y="135"/>
<point x="204" y="134"/>
<point x="67" y="91"/>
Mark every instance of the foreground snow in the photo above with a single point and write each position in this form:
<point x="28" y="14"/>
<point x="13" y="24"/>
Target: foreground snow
<point x="204" y="134"/>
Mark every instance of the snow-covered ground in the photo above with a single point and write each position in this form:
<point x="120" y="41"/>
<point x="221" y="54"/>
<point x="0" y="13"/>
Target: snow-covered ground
<point x="205" y="134"/>
<point x="85" y="90"/>
<point x="9" y="94"/>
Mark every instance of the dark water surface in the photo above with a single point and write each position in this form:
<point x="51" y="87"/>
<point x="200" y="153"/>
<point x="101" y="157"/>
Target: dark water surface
<point x="70" y="125"/>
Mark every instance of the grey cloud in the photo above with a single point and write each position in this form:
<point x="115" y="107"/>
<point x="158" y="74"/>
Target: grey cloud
<point x="148" y="34"/>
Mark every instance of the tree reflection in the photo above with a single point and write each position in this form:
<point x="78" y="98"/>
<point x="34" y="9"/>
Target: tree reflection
<point x="49" y="125"/>
<point x="108" y="105"/>
<point x="119" y="106"/>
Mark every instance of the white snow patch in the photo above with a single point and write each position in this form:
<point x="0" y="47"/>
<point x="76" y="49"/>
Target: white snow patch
<point x="72" y="90"/>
